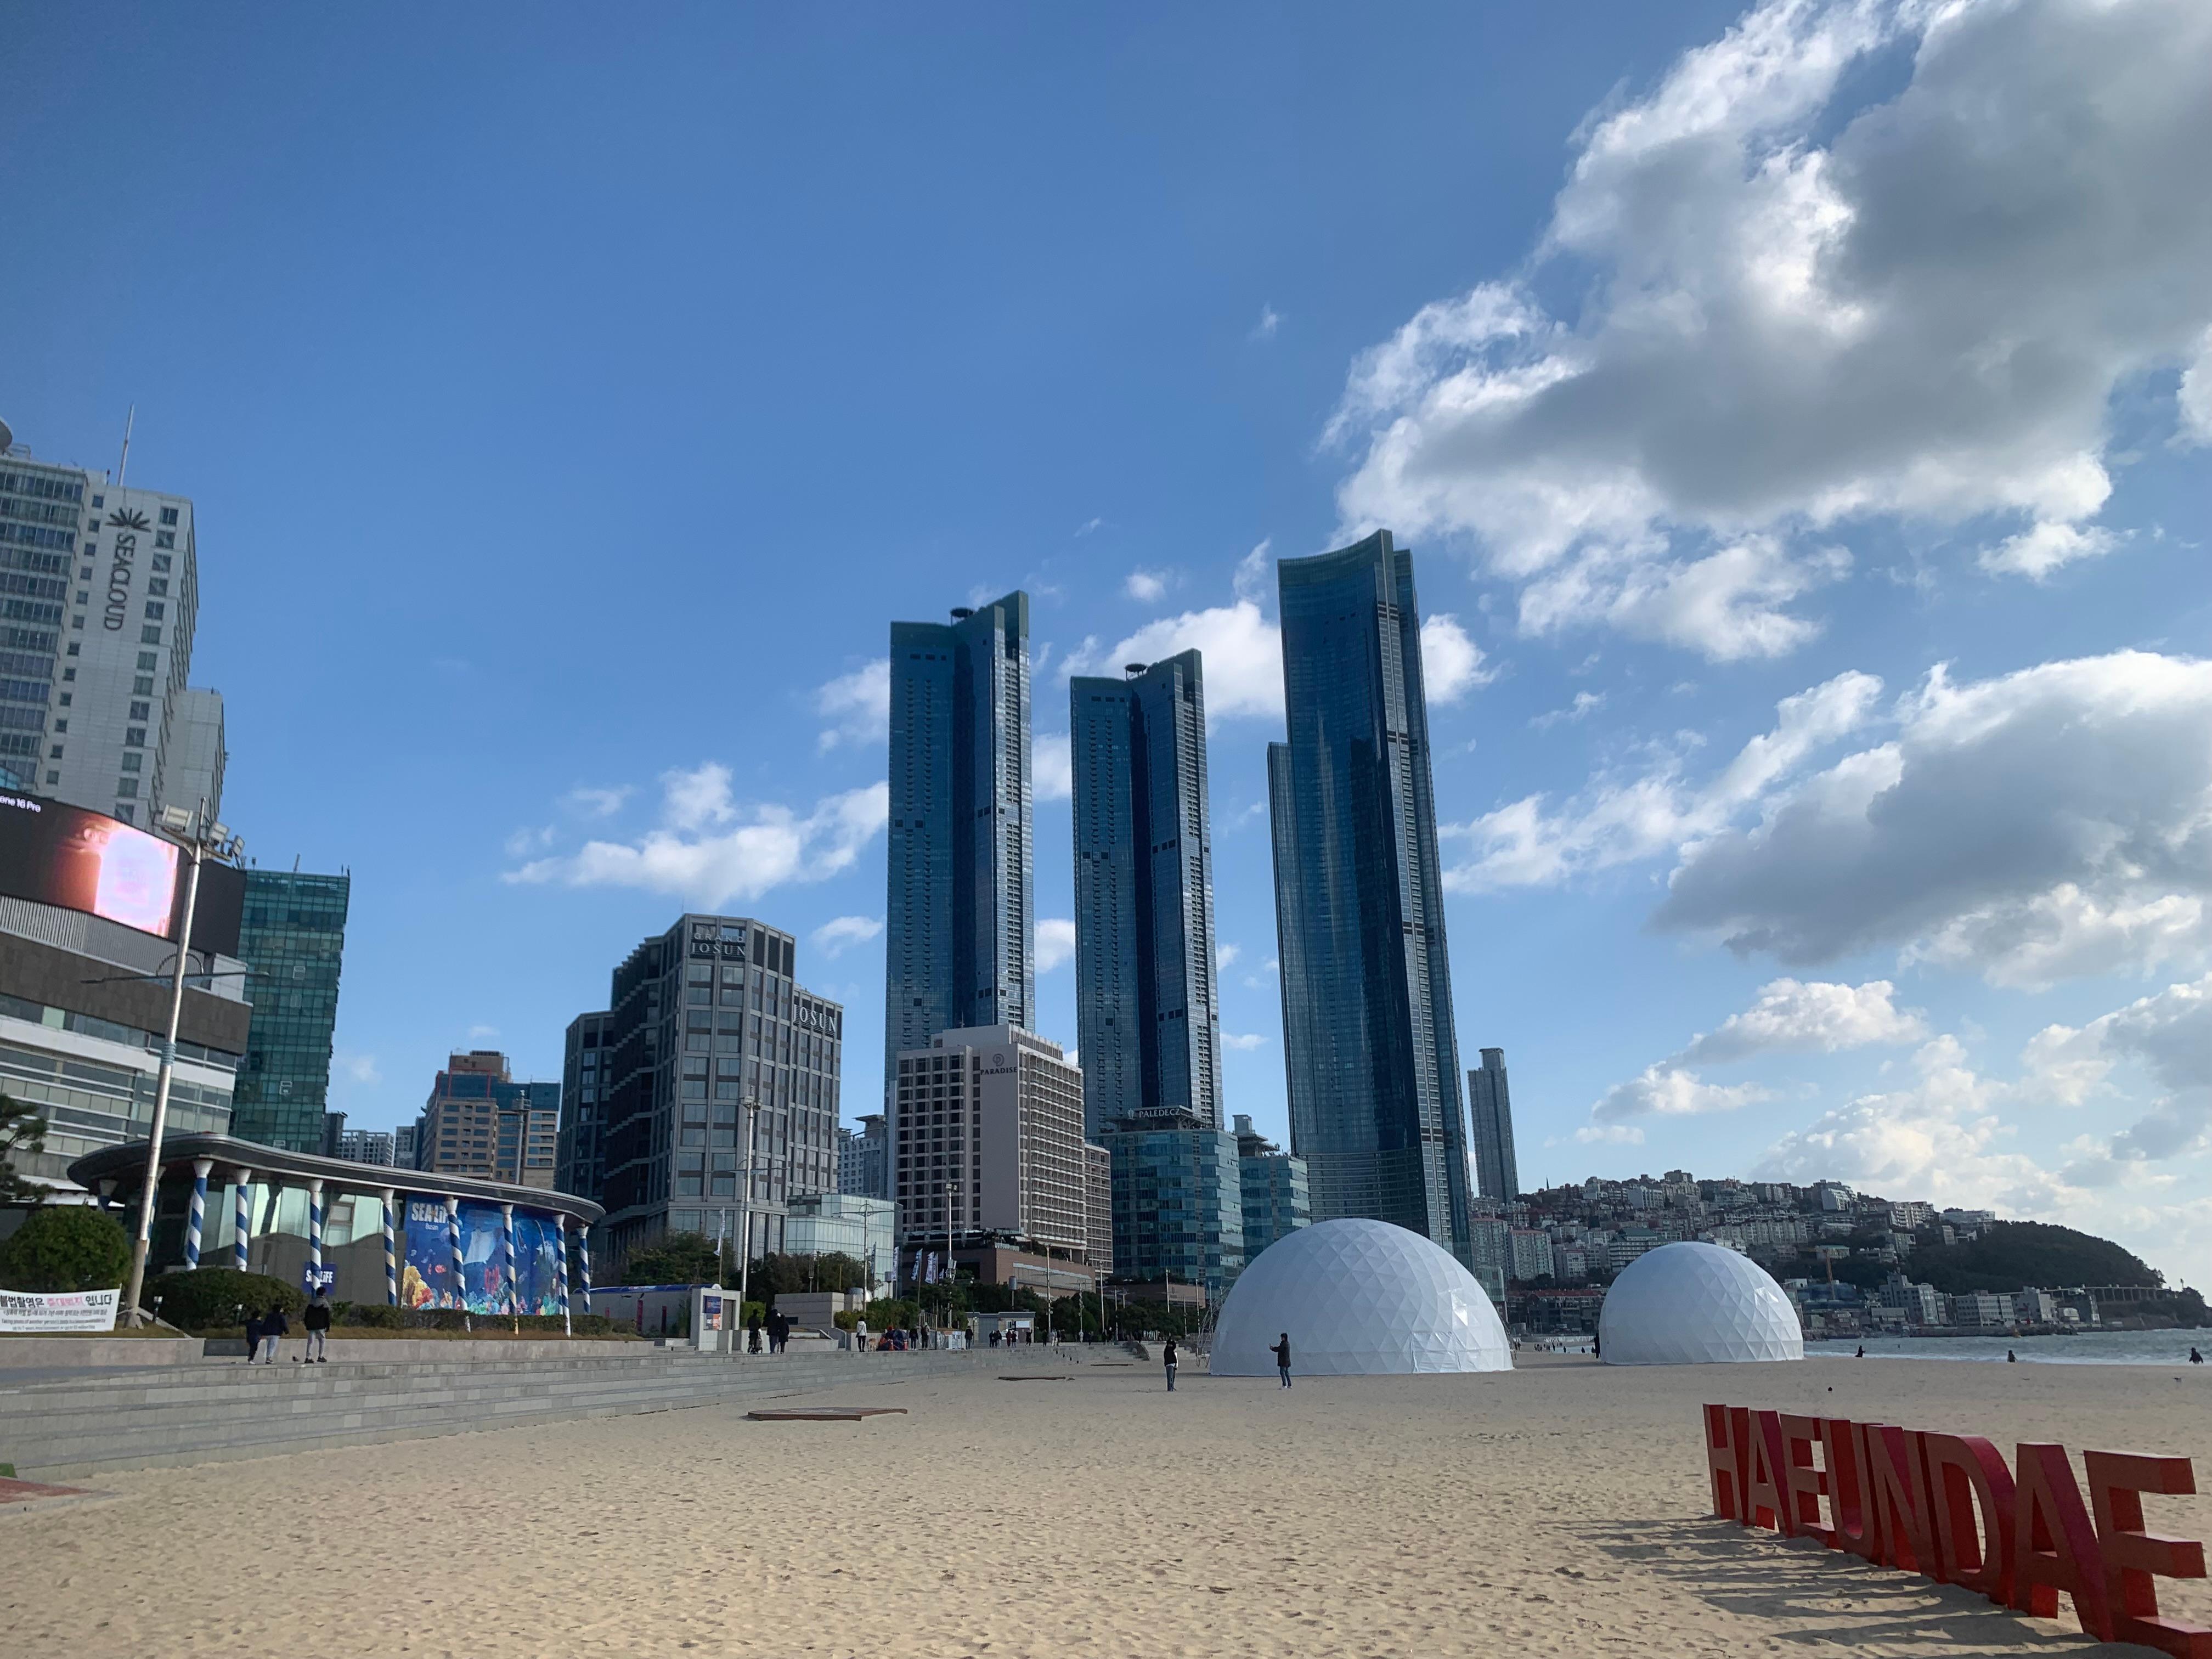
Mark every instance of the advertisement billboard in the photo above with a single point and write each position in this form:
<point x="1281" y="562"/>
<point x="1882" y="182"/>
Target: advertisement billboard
<point x="428" y="1280"/>
<point x="536" y="1263"/>
<point x="79" y="860"/>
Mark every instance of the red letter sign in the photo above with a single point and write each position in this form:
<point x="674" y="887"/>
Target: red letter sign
<point x="2132" y="1555"/>
<point x="2054" y="1546"/>
<point x="1965" y="1472"/>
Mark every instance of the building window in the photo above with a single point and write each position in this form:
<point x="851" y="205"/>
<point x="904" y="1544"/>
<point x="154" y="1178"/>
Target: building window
<point x="125" y="812"/>
<point x="147" y="635"/>
<point x="134" y="764"/>
<point x="158" y="586"/>
<point x="160" y="561"/>
<point x="134" y="736"/>
<point x="156" y="609"/>
<point x="168" y="515"/>
<point x="142" y="711"/>
<point x="165" y="538"/>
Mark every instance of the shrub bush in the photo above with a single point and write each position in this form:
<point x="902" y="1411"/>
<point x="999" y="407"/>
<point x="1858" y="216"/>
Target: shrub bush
<point x="66" y="1246"/>
<point x="208" y="1298"/>
<point x="376" y="1315"/>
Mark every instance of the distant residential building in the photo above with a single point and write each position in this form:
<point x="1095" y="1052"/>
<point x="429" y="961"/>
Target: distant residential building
<point x="294" y="938"/>
<point x="578" y="1164"/>
<point x="2035" y="1307"/>
<point x="1178" y="1200"/>
<point x="864" y="1159"/>
<point x="1277" y="1199"/>
<point x="702" y="1021"/>
<point x="479" y="1121"/>
<point x="1835" y="1197"/>
<point x="403" y="1148"/>
<point x="1491" y="1238"/>
<point x="195" y="757"/>
<point x="1912" y="1216"/>
<point x="1532" y="1254"/>
<point x="987" y="1137"/>
<point x="1372" y="1055"/>
<point x="1098" y="1208"/>
<point x="1981" y="1308"/>
<point x="1490" y="1106"/>
<point x="959" y="922"/>
<point x="1570" y="1264"/>
<point x="1147" y="1007"/>
<point x="367" y="1147"/>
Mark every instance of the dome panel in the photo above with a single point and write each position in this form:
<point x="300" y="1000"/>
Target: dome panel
<point x="1697" y="1304"/>
<point x="1360" y="1298"/>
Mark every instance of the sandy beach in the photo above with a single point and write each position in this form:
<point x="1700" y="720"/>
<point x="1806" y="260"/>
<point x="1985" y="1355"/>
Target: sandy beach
<point x="1557" y="1510"/>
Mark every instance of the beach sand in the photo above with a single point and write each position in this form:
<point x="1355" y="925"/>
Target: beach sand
<point x="1557" y="1510"/>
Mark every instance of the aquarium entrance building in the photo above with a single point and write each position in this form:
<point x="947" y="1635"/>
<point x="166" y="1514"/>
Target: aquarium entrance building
<point x="373" y="1233"/>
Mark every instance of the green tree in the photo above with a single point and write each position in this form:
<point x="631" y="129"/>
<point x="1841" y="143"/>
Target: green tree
<point x="211" y="1298"/>
<point x="22" y="1132"/>
<point x="66" y="1246"/>
<point x="2010" y="1255"/>
<point x="675" y="1259"/>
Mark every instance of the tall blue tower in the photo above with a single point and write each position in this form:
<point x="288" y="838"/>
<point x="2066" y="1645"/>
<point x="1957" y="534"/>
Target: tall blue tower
<point x="1148" y="1012"/>
<point x="1368" y="1040"/>
<point x="959" y="920"/>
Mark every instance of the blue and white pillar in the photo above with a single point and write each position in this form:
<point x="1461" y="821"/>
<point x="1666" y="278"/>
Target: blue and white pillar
<point x="560" y="1255"/>
<point x="198" y="1219"/>
<point x="453" y="1244"/>
<point x="507" y="1256"/>
<point x="315" y="1226"/>
<point x="241" y="1234"/>
<point x="583" y="1261"/>
<point x="391" y="1248"/>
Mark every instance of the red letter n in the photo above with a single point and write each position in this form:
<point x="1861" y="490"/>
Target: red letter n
<point x="1851" y="1496"/>
<point x="2054" y="1545"/>
<point x="2117" y="1479"/>
<point x="1897" y="1498"/>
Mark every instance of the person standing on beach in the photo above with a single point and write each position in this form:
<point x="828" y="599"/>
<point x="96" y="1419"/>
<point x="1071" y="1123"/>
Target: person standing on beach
<point x="1282" y="1352"/>
<point x="316" y="1321"/>
<point x="1168" y="1354"/>
<point x="274" y="1329"/>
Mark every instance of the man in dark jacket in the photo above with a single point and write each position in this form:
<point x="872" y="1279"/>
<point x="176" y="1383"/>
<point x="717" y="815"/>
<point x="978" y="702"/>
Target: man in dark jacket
<point x="316" y="1321"/>
<point x="252" y="1337"/>
<point x="1168" y="1354"/>
<point x="1282" y="1352"/>
<point x="274" y="1329"/>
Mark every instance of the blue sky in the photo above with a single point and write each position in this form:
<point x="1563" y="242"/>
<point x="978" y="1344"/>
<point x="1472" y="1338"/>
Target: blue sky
<point x="1800" y="417"/>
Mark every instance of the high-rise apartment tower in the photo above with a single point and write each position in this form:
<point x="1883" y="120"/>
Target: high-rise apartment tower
<point x="1369" y="1048"/>
<point x="1491" y="1107"/>
<point x="959" y="922"/>
<point x="1147" y="1015"/>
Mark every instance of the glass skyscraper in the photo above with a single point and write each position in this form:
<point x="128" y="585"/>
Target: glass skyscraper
<point x="1491" y="1108"/>
<point x="958" y="914"/>
<point x="1147" y="1012"/>
<point x="1369" y="1046"/>
<point x="292" y="937"/>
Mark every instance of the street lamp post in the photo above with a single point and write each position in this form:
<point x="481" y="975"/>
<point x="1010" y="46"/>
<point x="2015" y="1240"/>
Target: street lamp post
<point x="198" y="835"/>
<point x="745" y="1211"/>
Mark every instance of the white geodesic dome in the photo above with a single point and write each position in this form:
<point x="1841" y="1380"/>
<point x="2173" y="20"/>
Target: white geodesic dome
<point x="1696" y="1304"/>
<point x="1360" y="1298"/>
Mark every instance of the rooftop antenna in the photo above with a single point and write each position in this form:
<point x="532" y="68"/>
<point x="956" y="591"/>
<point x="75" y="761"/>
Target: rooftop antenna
<point x="124" y="465"/>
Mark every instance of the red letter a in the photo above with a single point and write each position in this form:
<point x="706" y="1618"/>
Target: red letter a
<point x="2054" y="1545"/>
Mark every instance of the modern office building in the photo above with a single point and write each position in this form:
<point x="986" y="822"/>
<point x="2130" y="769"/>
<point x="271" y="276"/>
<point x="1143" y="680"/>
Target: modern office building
<point x="843" y="1224"/>
<point x="367" y="1147"/>
<point x="1178" y="1200"/>
<point x="1490" y="1105"/>
<point x="98" y="597"/>
<point x="479" y="1121"/>
<point x="864" y="1160"/>
<point x="402" y="1147"/>
<point x="707" y="1035"/>
<point x="84" y="1004"/>
<point x="1369" y="1051"/>
<point x="959" y="917"/>
<point x="1148" y="1017"/>
<point x="1098" y="1208"/>
<point x="1277" y="1198"/>
<point x="196" y="756"/>
<point x="987" y="1138"/>
<point x="577" y="1163"/>
<point x="293" y="935"/>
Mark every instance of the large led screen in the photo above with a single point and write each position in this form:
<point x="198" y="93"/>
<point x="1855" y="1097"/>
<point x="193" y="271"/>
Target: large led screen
<point x="81" y="860"/>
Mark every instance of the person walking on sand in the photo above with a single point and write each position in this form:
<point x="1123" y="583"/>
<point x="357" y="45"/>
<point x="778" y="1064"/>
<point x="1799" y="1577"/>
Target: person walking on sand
<point x="1282" y="1352"/>
<point x="1168" y="1354"/>
<point x="316" y="1321"/>
<point x="2195" y="1357"/>
<point x="274" y="1329"/>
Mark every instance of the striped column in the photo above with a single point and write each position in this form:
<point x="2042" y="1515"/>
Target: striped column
<point x="242" y="1224"/>
<point x="453" y="1244"/>
<point x="315" y="1225"/>
<point x="584" y="1263"/>
<point x="506" y="1257"/>
<point x="560" y="1255"/>
<point x="198" y="1219"/>
<point x="391" y="1248"/>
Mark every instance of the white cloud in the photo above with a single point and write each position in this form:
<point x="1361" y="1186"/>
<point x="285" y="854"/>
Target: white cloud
<point x="2170" y="1036"/>
<point x="1789" y="312"/>
<point x="1051" y="768"/>
<point x="857" y="705"/>
<point x="1585" y="704"/>
<point x="597" y="803"/>
<point x="1451" y="662"/>
<point x="1243" y="652"/>
<point x="1145" y="586"/>
<point x="839" y="934"/>
<point x="523" y="842"/>
<point x="2043" y="824"/>
<point x="1669" y="1090"/>
<point x="358" y="1067"/>
<point x="708" y="849"/>
<point x="1055" y="942"/>
<point x="1242" y="1039"/>
<point x="482" y="1033"/>
<point x="2042" y="547"/>
<point x="1619" y="820"/>
<point x="1270" y="320"/>
<point x="1793" y="1016"/>
<point x="1610" y="1135"/>
<point x="1225" y="955"/>
<point x="1089" y="526"/>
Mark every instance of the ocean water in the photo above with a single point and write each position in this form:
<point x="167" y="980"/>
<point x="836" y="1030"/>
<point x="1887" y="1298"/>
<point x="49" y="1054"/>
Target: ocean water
<point x="2088" y="1348"/>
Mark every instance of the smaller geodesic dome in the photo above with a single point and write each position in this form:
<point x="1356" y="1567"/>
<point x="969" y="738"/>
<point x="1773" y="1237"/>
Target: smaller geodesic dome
<point x="1358" y="1299"/>
<point x="1696" y="1304"/>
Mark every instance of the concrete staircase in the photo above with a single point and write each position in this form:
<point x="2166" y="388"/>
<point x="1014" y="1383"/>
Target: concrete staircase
<point x="151" y="1417"/>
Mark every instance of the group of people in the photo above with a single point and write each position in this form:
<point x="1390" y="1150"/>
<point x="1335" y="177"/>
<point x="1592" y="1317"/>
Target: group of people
<point x="263" y="1331"/>
<point x="778" y="1327"/>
